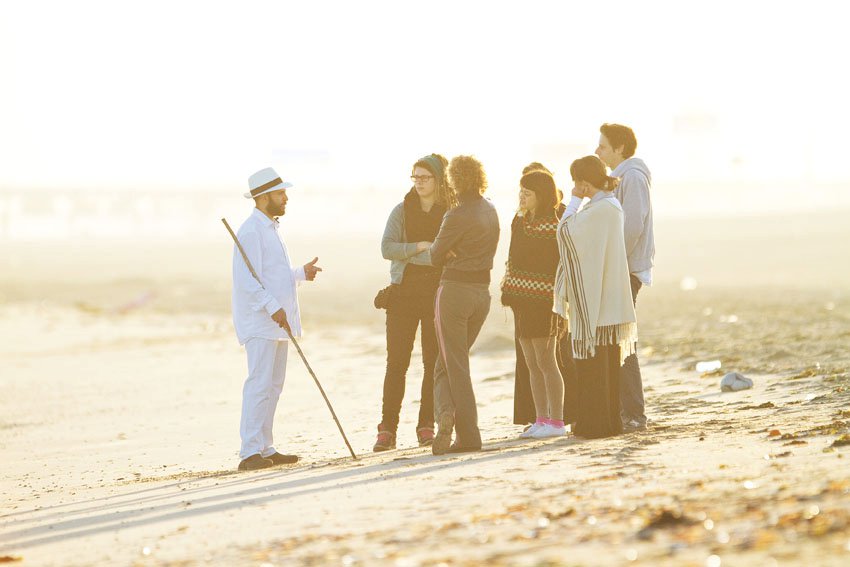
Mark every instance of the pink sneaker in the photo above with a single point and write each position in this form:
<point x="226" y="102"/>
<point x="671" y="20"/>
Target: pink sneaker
<point x="385" y="440"/>
<point x="425" y="435"/>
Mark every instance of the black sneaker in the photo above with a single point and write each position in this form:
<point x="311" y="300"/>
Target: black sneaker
<point x="255" y="463"/>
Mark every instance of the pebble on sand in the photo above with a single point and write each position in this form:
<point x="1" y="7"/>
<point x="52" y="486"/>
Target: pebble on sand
<point x="734" y="381"/>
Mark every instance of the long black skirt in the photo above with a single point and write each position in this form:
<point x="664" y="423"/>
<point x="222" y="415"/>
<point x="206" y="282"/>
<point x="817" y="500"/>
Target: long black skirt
<point x="598" y="394"/>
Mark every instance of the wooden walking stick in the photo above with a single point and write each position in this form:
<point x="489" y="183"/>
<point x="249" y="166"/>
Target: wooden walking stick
<point x="291" y="338"/>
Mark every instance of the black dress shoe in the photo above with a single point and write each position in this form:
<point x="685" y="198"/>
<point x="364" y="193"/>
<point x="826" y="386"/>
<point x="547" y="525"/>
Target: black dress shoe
<point x="455" y="448"/>
<point x="255" y="463"/>
<point x="278" y="459"/>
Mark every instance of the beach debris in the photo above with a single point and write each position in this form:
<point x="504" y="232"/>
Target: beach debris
<point x="735" y="381"/>
<point x="708" y="365"/>
<point x="670" y="518"/>
<point x="10" y="559"/>
<point x="842" y="441"/>
<point x="688" y="283"/>
<point x="713" y="561"/>
<point x="729" y="318"/>
<point x="664" y="519"/>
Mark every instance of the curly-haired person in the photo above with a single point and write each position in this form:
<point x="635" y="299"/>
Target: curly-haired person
<point x="464" y="247"/>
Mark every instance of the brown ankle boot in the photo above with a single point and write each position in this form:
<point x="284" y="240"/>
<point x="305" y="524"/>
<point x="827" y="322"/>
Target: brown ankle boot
<point x="443" y="439"/>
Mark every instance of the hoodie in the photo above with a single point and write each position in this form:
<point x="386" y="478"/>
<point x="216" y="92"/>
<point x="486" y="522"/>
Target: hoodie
<point x="633" y="194"/>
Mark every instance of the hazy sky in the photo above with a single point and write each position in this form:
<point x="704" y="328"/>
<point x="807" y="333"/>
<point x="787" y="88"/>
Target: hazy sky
<point x="195" y="95"/>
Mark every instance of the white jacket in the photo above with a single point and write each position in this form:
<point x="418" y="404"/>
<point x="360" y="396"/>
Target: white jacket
<point x="253" y="305"/>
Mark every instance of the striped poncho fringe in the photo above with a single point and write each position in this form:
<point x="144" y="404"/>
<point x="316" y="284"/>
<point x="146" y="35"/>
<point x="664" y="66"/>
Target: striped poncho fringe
<point x="571" y="297"/>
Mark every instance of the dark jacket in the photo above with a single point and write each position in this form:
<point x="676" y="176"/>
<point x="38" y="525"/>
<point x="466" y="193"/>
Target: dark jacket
<point x="471" y="231"/>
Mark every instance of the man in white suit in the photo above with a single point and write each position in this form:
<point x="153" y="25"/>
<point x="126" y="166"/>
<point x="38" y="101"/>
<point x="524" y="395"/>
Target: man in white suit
<point x="263" y="313"/>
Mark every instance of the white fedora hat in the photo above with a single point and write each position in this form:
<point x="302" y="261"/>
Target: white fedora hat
<point x="265" y="181"/>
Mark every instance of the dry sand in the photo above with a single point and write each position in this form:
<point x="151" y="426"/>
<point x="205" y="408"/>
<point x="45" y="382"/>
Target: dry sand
<point x="120" y="407"/>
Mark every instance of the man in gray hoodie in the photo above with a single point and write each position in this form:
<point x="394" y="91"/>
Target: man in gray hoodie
<point x="617" y="144"/>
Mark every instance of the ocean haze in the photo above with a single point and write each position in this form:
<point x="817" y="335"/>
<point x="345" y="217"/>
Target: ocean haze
<point x="43" y="215"/>
<point x="188" y="269"/>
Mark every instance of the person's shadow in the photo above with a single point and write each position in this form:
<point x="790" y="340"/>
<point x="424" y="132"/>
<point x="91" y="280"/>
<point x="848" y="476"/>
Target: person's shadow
<point x="175" y="501"/>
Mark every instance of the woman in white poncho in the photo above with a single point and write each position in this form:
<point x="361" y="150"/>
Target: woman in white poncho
<point x="592" y="292"/>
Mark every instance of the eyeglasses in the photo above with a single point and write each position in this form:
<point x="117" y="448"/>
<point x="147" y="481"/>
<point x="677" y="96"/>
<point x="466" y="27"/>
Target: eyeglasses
<point x="422" y="178"/>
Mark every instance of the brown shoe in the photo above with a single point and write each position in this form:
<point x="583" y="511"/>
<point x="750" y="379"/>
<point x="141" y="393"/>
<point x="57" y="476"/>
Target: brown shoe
<point x="455" y="448"/>
<point x="278" y="459"/>
<point x="443" y="439"/>
<point x="255" y="463"/>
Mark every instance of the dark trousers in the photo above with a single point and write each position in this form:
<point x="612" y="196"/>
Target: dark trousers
<point x="598" y="394"/>
<point x="404" y="316"/>
<point x="631" y="383"/>
<point x="569" y="371"/>
<point x="524" y="411"/>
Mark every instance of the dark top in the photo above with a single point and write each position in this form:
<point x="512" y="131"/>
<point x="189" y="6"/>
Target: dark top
<point x="532" y="262"/>
<point x="471" y="231"/>
<point x="420" y="226"/>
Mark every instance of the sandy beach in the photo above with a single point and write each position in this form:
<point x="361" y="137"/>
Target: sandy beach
<point x="130" y="130"/>
<point x="120" y="407"/>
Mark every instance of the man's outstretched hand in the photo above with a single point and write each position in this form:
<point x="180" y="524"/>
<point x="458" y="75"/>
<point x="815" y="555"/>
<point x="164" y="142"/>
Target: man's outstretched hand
<point x="279" y="317"/>
<point x="311" y="269"/>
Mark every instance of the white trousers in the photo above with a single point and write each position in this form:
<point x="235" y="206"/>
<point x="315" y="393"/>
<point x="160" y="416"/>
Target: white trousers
<point x="266" y="372"/>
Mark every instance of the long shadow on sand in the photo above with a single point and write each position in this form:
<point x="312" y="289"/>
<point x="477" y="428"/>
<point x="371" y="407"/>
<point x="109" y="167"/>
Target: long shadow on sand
<point x="239" y="494"/>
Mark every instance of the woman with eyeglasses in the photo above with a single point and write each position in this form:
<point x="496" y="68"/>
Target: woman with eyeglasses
<point x="593" y="292"/>
<point x="411" y="228"/>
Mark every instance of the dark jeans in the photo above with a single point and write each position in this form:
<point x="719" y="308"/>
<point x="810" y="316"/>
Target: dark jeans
<point x="631" y="384"/>
<point x="404" y="315"/>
